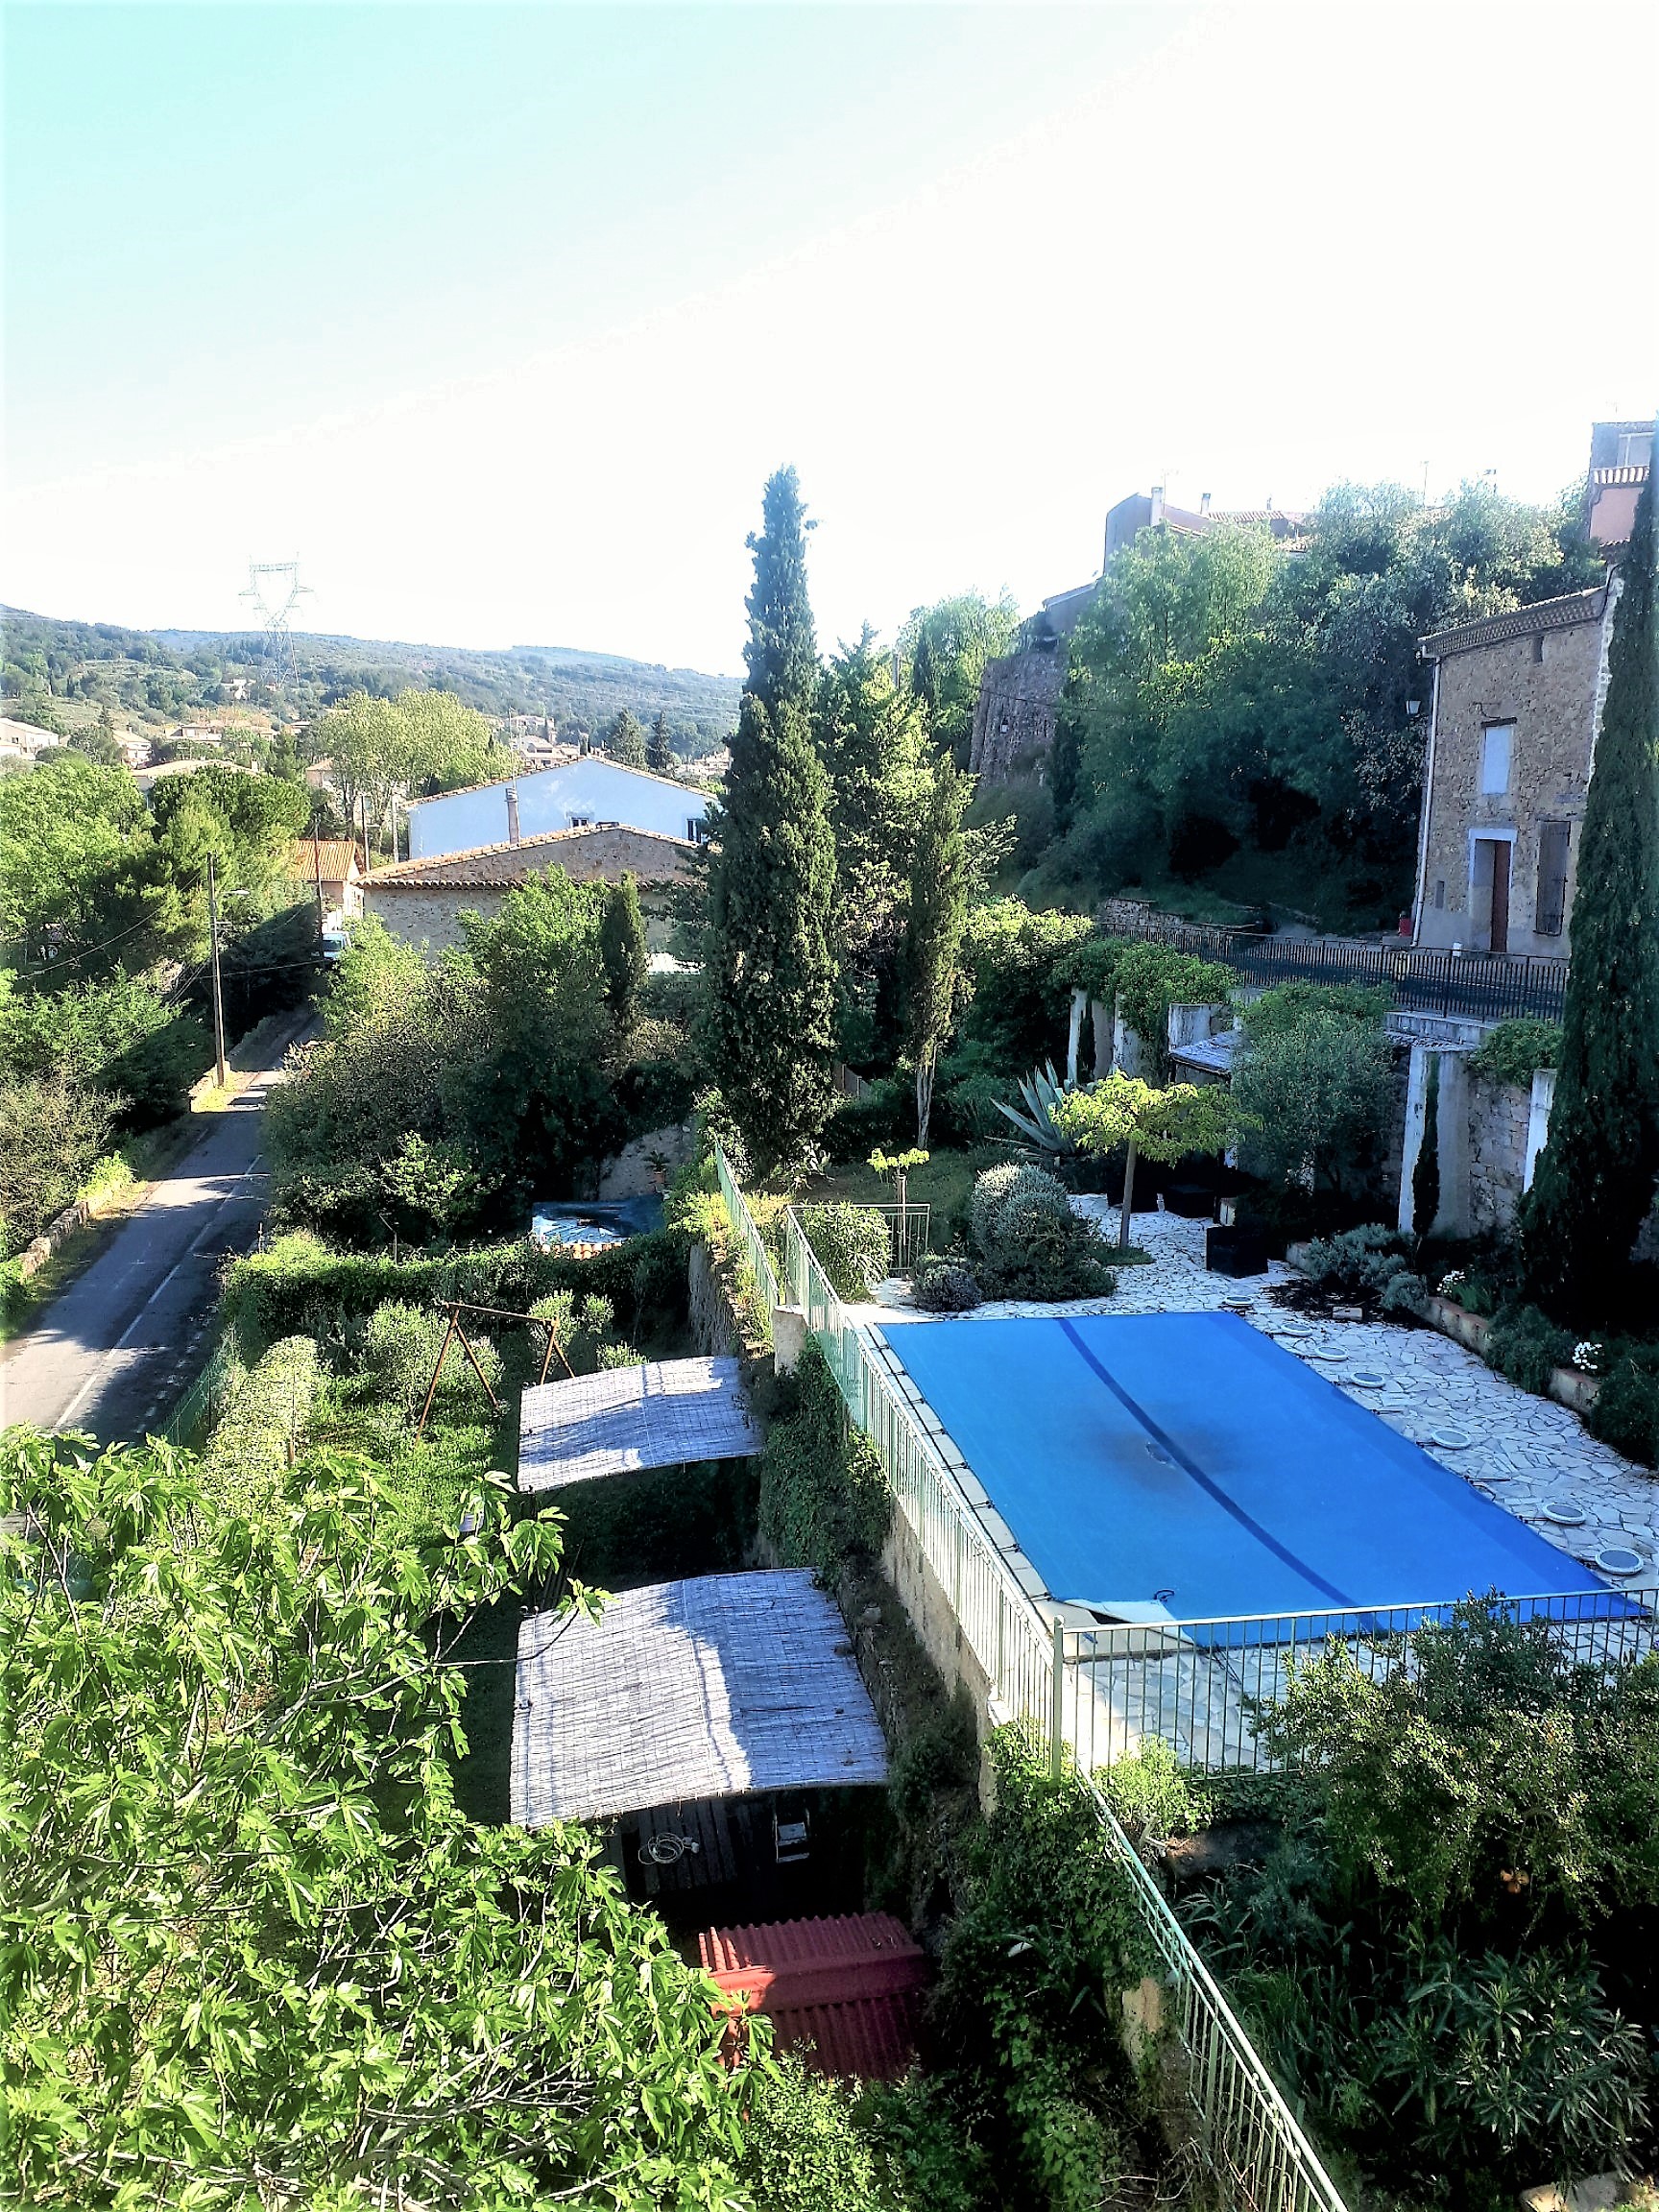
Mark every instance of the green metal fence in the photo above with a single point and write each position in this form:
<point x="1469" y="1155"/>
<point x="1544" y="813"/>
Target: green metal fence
<point x="204" y="1402"/>
<point x="747" y="1231"/>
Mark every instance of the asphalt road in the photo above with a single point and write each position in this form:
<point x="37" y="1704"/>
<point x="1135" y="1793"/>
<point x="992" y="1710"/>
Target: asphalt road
<point x="115" y="1350"/>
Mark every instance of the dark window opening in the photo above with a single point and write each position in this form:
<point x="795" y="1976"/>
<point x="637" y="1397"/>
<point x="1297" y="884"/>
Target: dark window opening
<point x="1439" y="893"/>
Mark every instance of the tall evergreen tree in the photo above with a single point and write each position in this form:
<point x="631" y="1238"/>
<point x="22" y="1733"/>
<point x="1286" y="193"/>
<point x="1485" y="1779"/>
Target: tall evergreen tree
<point x="769" y="1032"/>
<point x="660" y="753"/>
<point x="934" y="978"/>
<point x="1595" y="1182"/>
<point x="623" y="950"/>
<point x="626" y="741"/>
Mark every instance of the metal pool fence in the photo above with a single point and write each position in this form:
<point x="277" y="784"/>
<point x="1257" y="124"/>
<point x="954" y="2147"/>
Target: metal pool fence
<point x="1242" y="2127"/>
<point x="908" y="1228"/>
<point x="747" y="1233"/>
<point x="1195" y="1683"/>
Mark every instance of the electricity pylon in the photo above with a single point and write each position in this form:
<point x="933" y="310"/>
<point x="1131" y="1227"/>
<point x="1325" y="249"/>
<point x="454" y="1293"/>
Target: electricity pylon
<point x="275" y="590"/>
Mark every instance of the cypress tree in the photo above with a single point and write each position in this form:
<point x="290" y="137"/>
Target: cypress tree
<point x="1595" y="1182"/>
<point x="769" y="1029"/>
<point x="660" y="752"/>
<point x="626" y="741"/>
<point x="623" y="950"/>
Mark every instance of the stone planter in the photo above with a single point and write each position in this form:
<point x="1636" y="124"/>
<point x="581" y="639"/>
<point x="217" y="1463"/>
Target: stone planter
<point x="1568" y="1386"/>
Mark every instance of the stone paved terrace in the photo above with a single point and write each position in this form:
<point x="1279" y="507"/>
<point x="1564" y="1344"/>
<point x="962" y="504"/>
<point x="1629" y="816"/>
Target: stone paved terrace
<point x="1533" y="1455"/>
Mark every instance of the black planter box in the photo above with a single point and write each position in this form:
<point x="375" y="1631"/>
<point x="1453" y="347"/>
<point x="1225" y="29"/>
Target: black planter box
<point x="1234" y="1252"/>
<point x="1190" y="1200"/>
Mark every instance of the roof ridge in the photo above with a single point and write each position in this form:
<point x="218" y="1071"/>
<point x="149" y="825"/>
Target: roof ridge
<point x="1539" y="614"/>
<point x="403" y="868"/>
<point x="501" y="782"/>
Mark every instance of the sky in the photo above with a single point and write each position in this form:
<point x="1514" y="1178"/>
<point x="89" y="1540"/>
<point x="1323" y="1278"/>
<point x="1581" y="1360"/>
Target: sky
<point x="496" y="317"/>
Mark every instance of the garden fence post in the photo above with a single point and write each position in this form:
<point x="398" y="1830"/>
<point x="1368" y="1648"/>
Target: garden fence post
<point x="1057" y="1708"/>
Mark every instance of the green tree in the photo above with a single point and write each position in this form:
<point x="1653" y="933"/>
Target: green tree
<point x="1120" y="1111"/>
<point x="625" y="740"/>
<point x="624" y="951"/>
<point x="660" y="752"/>
<point x="256" y="1953"/>
<point x="1595" y="1182"/>
<point x="1316" y="1090"/>
<point x="53" y="1131"/>
<point x="943" y="649"/>
<point x="935" y="924"/>
<point x="769" y="1032"/>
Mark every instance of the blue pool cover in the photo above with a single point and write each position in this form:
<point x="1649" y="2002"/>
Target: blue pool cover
<point x="1187" y="1459"/>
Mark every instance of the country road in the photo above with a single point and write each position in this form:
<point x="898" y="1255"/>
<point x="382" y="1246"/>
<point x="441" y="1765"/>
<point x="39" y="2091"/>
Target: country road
<point x="114" y="1350"/>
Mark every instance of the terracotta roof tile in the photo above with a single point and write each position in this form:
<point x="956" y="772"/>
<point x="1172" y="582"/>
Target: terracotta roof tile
<point x="492" y="867"/>
<point x="845" y="1992"/>
<point x="334" y="857"/>
<point x="1561" y="613"/>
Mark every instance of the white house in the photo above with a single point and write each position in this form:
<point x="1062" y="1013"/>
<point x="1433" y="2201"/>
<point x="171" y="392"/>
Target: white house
<point x="574" y="796"/>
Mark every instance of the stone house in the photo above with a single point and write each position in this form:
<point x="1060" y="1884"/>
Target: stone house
<point x="329" y="867"/>
<point x="1515" y="700"/>
<point x="420" y="902"/>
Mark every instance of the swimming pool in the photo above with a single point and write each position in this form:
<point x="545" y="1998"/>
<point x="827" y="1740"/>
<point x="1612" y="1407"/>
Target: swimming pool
<point x="1187" y="1460"/>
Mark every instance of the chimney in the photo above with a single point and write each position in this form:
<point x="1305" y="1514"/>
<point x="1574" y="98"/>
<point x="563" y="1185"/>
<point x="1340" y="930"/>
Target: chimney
<point x="1204" y="503"/>
<point x="1157" y="514"/>
<point x="511" y="813"/>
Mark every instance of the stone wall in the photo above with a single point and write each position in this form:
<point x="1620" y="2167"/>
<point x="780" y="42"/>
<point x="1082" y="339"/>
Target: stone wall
<point x="1498" y="1116"/>
<point x="1014" y="715"/>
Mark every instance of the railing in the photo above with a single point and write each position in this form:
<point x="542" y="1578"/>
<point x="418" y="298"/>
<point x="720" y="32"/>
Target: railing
<point x="1194" y="1683"/>
<point x="1483" y="986"/>
<point x="748" y="1233"/>
<point x="908" y="1228"/>
<point x="204" y="1402"/>
<point x="1242" y="2126"/>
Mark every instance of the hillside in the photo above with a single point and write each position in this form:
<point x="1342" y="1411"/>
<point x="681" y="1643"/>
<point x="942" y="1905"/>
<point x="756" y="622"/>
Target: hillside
<point x="57" y="669"/>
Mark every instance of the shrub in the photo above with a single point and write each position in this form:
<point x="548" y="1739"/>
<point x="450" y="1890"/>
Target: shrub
<point x="401" y="1348"/>
<point x="885" y="1116"/>
<point x="852" y="1245"/>
<point x="1151" y="979"/>
<point x="1318" y="1094"/>
<point x="262" y="1428"/>
<point x="1030" y="1243"/>
<point x="1288" y="1005"/>
<point x="1625" y="1413"/>
<point x="805" y="2148"/>
<point x="946" y="1286"/>
<point x="1515" y="1049"/>
<point x="1526" y="1345"/>
<point x="1365" y="1266"/>
<point x="53" y="1132"/>
<point x="824" y="1498"/>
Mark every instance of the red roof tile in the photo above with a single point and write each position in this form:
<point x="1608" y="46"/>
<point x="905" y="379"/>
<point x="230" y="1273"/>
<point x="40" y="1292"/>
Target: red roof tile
<point x="845" y="1992"/>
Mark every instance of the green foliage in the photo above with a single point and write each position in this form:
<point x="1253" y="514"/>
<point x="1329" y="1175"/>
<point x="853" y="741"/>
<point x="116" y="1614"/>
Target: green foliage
<point x="298" y="1286"/>
<point x="625" y="740"/>
<point x="770" y="959"/>
<point x="943" y="649"/>
<point x="1316" y="1090"/>
<point x="248" y="1931"/>
<point x="1625" y="1413"/>
<point x="1365" y="1266"/>
<point x="53" y="1132"/>
<point x="1486" y="1749"/>
<point x="1593" y="1186"/>
<point x="120" y="1035"/>
<point x="663" y="1524"/>
<point x="659" y="749"/>
<point x="262" y="1429"/>
<point x="852" y="1245"/>
<point x="399" y="1353"/>
<point x="623" y="948"/>
<point x="1040" y="1123"/>
<point x="1525" y="1344"/>
<point x="1514" y="1050"/>
<point x="1029" y="1243"/>
<point x="1045" y="1941"/>
<point x="1290" y="1005"/>
<point x="932" y="977"/>
<point x="824" y="1498"/>
<point x="1017" y="964"/>
<point x="1151" y="979"/>
<point x="805" y="2150"/>
<point x="422" y="743"/>
<point x="946" y="1286"/>
<point x="1151" y="1793"/>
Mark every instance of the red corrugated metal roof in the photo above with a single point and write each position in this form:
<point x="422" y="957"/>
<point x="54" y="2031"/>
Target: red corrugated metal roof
<point x="845" y="1992"/>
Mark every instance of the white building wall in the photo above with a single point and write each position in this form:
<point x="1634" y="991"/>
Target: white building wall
<point x="592" y="789"/>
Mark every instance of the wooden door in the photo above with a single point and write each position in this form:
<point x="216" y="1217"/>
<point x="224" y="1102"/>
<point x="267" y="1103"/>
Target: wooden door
<point x="1500" y="851"/>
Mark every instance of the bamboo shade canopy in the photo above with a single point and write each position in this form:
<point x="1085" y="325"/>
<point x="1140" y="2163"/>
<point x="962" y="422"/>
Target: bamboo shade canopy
<point x="659" y="1414"/>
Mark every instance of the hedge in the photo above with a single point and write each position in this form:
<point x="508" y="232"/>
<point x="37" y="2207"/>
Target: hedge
<point x="298" y="1286"/>
<point x="262" y="1427"/>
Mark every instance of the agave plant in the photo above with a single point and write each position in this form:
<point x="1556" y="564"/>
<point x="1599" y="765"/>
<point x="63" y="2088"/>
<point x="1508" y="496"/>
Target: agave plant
<point x="1041" y="1091"/>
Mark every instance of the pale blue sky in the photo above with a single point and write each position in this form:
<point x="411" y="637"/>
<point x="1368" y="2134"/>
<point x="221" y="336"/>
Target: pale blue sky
<point x="497" y="315"/>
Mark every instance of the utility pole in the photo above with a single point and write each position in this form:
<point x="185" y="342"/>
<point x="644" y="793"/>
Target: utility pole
<point x="222" y="1073"/>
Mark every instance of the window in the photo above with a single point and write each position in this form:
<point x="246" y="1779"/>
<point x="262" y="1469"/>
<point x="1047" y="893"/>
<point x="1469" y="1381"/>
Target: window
<point x="1554" y="840"/>
<point x="1494" y="741"/>
<point x="696" y="829"/>
<point x="1439" y="894"/>
<point x="1636" y="449"/>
